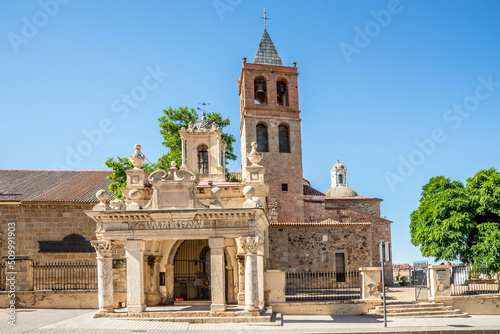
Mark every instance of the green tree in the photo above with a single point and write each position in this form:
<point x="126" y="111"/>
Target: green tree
<point x="457" y="222"/>
<point x="170" y="123"/>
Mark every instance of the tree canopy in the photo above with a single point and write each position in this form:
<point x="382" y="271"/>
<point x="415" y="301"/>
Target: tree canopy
<point x="170" y="123"/>
<point x="460" y="222"/>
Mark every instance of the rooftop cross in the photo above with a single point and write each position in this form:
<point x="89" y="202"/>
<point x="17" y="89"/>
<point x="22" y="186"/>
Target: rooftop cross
<point x="265" y="18"/>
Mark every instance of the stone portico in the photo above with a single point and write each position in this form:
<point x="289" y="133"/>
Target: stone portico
<point x="161" y="212"/>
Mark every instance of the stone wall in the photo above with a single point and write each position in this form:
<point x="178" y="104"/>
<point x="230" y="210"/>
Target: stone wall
<point x="313" y="247"/>
<point x="46" y="222"/>
<point x="369" y="206"/>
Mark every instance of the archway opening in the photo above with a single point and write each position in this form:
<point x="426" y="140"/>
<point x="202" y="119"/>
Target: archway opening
<point x="192" y="271"/>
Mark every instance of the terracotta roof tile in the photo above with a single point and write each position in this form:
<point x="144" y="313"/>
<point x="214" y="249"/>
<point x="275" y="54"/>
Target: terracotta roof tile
<point x="51" y="185"/>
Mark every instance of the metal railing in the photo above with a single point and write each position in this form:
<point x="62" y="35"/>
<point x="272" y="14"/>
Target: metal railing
<point x="466" y="280"/>
<point x="65" y="276"/>
<point x="2" y="276"/>
<point x="330" y="285"/>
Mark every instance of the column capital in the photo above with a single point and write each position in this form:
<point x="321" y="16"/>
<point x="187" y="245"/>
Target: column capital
<point x="251" y="245"/>
<point x="134" y="245"/>
<point x="104" y="248"/>
<point x="216" y="242"/>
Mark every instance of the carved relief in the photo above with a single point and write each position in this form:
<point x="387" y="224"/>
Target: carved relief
<point x="251" y="245"/>
<point x="104" y="248"/>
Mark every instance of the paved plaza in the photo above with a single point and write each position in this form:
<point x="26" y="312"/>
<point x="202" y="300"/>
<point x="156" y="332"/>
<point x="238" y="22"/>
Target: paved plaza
<point x="52" y="321"/>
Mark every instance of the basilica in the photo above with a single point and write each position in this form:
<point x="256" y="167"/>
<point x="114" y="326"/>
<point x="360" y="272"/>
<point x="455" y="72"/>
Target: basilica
<point x="185" y="235"/>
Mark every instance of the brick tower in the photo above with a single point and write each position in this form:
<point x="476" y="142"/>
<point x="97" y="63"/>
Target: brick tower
<point x="270" y="115"/>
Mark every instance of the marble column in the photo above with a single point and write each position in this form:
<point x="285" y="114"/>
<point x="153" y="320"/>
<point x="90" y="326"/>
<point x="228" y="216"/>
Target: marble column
<point x="251" y="247"/>
<point x="135" y="276"/>
<point x="104" y="258"/>
<point x="218" y="274"/>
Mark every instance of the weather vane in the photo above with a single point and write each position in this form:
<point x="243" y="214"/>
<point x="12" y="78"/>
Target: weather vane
<point x="203" y="104"/>
<point x="265" y="18"/>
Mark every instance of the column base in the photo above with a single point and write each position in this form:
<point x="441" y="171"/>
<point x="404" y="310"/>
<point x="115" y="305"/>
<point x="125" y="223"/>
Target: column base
<point x="136" y="308"/>
<point x="251" y="308"/>
<point x="218" y="307"/>
<point x="105" y="311"/>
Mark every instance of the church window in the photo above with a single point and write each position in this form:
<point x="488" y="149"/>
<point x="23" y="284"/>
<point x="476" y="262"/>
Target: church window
<point x="282" y="93"/>
<point x="284" y="187"/>
<point x="341" y="179"/>
<point x="284" y="139"/>
<point x="202" y="159"/>
<point x="262" y="144"/>
<point x="260" y="91"/>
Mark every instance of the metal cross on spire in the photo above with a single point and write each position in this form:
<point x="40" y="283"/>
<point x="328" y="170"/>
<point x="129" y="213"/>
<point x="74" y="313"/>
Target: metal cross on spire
<point x="265" y="18"/>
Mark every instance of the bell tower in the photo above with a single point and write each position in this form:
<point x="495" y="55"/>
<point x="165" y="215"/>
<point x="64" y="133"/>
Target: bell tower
<point x="270" y="115"/>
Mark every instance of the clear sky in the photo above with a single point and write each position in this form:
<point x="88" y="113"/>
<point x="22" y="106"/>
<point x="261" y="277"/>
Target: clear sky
<point x="399" y="91"/>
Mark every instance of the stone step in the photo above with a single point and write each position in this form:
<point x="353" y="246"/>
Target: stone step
<point x="418" y="305"/>
<point x="448" y="314"/>
<point x="414" y="309"/>
<point x="419" y="311"/>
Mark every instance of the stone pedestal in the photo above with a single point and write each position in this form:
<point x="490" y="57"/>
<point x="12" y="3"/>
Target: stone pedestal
<point x="371" y="283"/>
<point x="439" y="281"/>
<point x="104" y="259"/>
<point x="218" y="275"/>
<point x="135" y="276"/>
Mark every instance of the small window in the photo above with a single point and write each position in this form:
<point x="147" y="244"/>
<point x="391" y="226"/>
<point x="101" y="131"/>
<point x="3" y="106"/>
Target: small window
<point x="260" y="91"/>
<point x="203" y="159"/>
<point x="284" y="187"/>
<point x="284" y="139"/>
<point x="262" y="144"/>
<point x="341" y="179"/>
<point x="282" y="93"/>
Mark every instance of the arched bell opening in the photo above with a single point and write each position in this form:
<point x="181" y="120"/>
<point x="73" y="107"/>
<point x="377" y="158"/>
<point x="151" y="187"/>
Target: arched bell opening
<point x="282" y="93"/>
<point x="260" y="91"/>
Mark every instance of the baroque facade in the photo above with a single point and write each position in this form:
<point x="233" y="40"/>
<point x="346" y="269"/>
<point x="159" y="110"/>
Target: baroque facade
<point x="186" y="234"/>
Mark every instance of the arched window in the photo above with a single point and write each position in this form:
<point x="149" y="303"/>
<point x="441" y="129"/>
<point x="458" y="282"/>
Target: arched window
<point x="262" y="144"/>
<point x="284" y="139"/>
<point x="260" y="90"/>
<point x="203" y="159"/>
<point x="282" y="93"/>
<point x="341" y="179"/>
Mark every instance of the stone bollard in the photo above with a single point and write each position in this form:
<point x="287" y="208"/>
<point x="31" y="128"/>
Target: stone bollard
<point x="439" y="281"/>
<point x="371" y="283"/>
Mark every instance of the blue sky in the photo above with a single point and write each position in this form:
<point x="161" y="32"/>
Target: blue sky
<point x="399" y="91"/>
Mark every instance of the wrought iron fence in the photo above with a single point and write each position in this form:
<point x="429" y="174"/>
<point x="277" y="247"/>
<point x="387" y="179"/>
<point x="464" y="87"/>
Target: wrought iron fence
<point x="2" y="276"/>
<point x="330" y="285"/>
<point x="466" y="280"/>
<point x="65" y="276"/>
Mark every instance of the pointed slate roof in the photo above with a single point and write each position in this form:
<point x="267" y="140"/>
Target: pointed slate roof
<point x="267" y="53"/>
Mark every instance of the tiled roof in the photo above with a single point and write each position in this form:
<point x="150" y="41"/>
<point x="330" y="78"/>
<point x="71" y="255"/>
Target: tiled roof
<point x="267" y="53"/>
<point x="51" y="185"/>
<point x="308" y="190"/>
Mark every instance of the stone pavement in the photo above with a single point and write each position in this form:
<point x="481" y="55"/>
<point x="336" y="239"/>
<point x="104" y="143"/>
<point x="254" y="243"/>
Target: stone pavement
<point x="57" y="321"/>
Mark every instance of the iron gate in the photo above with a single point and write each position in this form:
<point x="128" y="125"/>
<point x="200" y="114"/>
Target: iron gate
<point x="420" y="273"/>
<point x="192" y="271"/>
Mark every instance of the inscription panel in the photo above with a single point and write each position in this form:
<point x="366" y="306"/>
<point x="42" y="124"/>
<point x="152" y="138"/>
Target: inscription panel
<point x="175" y="225"/>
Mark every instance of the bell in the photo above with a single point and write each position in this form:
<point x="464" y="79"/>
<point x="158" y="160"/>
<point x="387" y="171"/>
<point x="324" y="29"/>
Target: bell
<point x="260" y="89"/>
<point x="282" y="91"/>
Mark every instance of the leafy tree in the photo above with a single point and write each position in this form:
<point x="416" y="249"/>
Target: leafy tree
<point x="170" y="123"/>
<point x="457" y="222"/>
